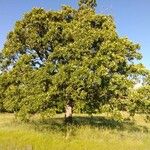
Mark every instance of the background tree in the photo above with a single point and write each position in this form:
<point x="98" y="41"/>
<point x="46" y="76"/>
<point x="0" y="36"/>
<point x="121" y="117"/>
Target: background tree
<point x="139" y="98"/>
<point x="70" y="57"/>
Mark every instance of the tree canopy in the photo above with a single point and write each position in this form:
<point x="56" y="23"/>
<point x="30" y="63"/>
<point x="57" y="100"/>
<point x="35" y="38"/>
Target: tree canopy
<point x="87" y="3"/>
<point x="51" y="57"/>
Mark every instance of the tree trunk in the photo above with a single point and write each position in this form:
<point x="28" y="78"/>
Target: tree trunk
<point x="69" y="112"/>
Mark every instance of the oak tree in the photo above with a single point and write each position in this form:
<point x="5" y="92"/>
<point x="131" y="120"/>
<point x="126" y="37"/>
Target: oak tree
<point x="72" y="57"/>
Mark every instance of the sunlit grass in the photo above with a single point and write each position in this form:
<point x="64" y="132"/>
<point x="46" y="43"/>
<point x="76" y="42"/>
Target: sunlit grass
<point x="97" y="133"/>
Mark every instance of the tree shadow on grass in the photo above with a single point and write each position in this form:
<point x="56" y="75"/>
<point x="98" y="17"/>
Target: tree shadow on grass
<point x="110" y="123"/>
<point x="100" y="122"/>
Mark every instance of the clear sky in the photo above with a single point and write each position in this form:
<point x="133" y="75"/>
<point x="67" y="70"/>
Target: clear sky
<point x="132" y="17"/>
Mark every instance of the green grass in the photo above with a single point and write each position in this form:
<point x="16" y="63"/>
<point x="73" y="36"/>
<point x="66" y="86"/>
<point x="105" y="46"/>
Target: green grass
<point x="97" y="133"/>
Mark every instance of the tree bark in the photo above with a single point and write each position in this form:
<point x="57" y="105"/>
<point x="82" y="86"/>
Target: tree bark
<point x="69" y="112"/>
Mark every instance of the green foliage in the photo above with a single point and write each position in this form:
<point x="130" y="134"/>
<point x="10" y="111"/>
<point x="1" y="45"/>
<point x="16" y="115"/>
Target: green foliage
<point x="51" y="57"/>
<point x="139" y="101"/>
<point x="87" y="3"/>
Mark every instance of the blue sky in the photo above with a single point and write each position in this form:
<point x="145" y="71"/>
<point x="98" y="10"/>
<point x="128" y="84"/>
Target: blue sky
<point x="132" y="17"/>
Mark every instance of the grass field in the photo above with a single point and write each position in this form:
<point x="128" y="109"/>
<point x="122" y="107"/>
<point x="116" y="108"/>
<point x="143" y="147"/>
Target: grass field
<point x="97" y="133"/>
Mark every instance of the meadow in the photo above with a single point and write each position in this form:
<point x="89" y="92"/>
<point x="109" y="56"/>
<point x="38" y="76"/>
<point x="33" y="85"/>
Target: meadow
<point x="99" y="132"/>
